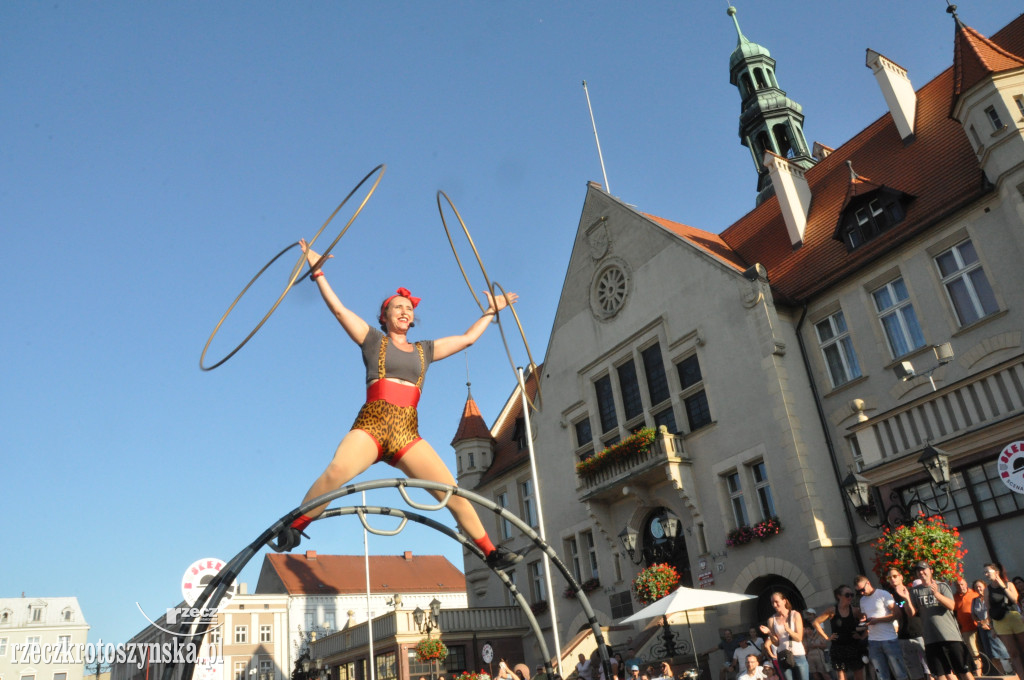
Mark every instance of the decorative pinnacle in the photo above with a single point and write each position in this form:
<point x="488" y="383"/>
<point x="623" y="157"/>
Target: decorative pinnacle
<point x="741" y="38"/>
<point x="853" y="173"/>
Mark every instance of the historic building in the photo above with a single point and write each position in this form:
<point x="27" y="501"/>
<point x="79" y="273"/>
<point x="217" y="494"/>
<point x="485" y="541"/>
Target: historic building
<point x="863" y="319"/>
<point x="28" y="624"/>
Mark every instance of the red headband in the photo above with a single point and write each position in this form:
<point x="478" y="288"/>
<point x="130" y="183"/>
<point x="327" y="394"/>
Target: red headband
<point x="401" y="292"/>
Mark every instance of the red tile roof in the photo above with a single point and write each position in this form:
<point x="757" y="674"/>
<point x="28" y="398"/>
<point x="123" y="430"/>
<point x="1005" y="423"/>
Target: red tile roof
<point x="976" y="57"/>
<point x="939" y="168"/>
<point x="471" y="425"/>
<point x="313" y="574"/>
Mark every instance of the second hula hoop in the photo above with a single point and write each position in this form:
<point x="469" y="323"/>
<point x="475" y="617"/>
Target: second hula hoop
<point x="294" y="276"/>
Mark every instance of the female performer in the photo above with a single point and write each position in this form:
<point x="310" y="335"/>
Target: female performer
<point x="386" y="427"/>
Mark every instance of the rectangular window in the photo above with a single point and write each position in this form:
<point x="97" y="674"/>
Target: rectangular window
<point x="739" y="508"/>
<point x="695" y="400"/>
<point x="654" y="371"/>
<point x="266" y="633"/>
<point x="630" y="387"/>
<point x="504" y="525"/>
<point x="902" y="331"/>
<point x="3" y="647"/>
<point x="837" y="348"/>
<point x="591" y="549"/>
<point x="529" y="507"/>
<point x="606" y="404"/>
<point x="60" y="676"/>
<point x="239" y="670"/>
<point x="1019" y="101"/>
<point x="266" y="669"/>
<point x="537" y="590"/>
<point x="329" y="621"/>
<point x="993" y="117"/>
<point x="966" y="283"/>
<point x="472" y="460"/>
<point x="387" y="666"/>
<point x="32" y="641"/>
<point x="666" y="417"/>
<point x="763" y="490"/>
<point x="621" y="604"/>
<point x="583" y="433"/>
<point x="572" y="551"/>
<point x="310" y="619"/>
<point x="215" y="637"/>
<point x="456" y="659"/>
<point x="37" y="614"/>
<point x="241" y="635"/>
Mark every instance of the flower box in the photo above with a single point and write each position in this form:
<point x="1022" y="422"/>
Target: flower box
<point x="630" y="447"/>
<point x="762" y="531"/>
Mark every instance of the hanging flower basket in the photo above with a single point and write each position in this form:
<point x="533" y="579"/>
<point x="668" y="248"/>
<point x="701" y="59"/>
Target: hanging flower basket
<point x="429" y="649"/>
<point x="539" y="607"/>
<point x="655" y="582"/>
<point x="929" y="539"/>
<point x="631" y="446"/>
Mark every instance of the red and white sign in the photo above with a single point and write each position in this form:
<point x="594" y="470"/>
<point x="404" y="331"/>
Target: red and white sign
<point x="1011" y="466"/>
<point x="200" y="573"/>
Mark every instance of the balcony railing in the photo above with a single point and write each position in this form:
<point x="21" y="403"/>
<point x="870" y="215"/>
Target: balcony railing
<point x="985" y="398"/>
<point x="666" y="448"/>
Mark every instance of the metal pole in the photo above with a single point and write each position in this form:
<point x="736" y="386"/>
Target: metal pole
<point x="369" y="614"/>
<point x="540" y="516"/>
<point x="599" y="156"/>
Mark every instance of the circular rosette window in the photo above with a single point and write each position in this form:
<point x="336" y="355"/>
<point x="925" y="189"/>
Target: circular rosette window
<point x="610" y="288"/>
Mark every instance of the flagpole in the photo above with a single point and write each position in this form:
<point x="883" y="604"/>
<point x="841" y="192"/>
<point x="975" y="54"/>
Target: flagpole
<point x="540" y="516"/>
<point x="369" y="614"/>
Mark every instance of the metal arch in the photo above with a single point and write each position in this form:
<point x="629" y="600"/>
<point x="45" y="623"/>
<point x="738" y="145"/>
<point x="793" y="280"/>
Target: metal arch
<point x="218" y="586"/>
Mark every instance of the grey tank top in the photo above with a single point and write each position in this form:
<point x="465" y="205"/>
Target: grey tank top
<point x="397" y="364"/>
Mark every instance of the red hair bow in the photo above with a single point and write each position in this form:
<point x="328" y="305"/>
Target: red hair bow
<point x="401" y="292"/>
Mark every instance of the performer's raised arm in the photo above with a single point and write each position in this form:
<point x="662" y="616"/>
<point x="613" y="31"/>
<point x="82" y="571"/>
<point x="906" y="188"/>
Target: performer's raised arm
<point x="353" y="324"/>
<point x="445" y="347"/>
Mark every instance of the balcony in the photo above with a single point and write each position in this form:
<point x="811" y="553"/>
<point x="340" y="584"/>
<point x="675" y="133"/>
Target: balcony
<point x="662" y="460"/>
<point x="985" y="399"/>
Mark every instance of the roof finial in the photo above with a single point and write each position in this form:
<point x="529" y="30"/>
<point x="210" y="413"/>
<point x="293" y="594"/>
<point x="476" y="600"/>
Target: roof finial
<point x="741" y="38"/>
<point x="951" y="9"/>
<point x="853" y="173"/>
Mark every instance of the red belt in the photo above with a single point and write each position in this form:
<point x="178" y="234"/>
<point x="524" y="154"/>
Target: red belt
<point x="393" y="393"/>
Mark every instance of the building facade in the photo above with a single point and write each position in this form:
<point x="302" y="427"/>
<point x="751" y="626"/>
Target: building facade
<point x="776" y="358"/>
<point x="30" y="624"/>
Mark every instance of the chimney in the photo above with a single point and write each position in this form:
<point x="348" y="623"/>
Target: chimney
<point x="407" y="555"/>
<point x="898" y="92"/>
<point x="793" y="192"/>
<point x="311" y="555"/>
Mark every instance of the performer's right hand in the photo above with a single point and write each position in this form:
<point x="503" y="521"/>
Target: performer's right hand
<point x="312" y="257"/>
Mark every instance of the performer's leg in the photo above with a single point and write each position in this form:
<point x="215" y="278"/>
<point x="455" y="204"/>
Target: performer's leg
<point x="356" y="452"/>
<point x="421" y="461"/>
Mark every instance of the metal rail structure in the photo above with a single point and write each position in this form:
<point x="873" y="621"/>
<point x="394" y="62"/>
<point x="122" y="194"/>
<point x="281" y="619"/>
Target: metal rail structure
<point x="193" y="628"/>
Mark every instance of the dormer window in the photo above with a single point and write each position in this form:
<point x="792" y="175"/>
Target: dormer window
<point x="865" y="217"/>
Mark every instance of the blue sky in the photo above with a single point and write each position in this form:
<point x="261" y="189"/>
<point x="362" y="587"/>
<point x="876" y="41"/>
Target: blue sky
<point x="156" y="155"/>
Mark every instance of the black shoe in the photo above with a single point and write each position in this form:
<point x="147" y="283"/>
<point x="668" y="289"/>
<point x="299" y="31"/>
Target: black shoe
<point x="501" y="558"/>
<point x="286" y="540"/>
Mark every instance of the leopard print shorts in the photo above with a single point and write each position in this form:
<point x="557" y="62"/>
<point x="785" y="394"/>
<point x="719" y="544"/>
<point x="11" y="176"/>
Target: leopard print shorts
<point x="394" y="428"/>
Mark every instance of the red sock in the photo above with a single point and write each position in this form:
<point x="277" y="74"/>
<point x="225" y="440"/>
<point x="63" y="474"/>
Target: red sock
<point x="301" y="522"/>
<point x="484" y="543"/>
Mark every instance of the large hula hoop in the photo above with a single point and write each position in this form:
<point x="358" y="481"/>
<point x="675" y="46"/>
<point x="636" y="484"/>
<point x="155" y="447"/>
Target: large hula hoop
<point x="294" y="276"/>
<point x="455" y="252"/>
<point x="491" y="286"/>
<point x="535" y="405"/>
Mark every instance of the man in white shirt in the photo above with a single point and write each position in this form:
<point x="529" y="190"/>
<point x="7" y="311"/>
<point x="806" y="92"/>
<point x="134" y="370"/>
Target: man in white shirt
<point x="739" y="657"/>
<point x="883" y="646"/>
<point x="753" y="668"/>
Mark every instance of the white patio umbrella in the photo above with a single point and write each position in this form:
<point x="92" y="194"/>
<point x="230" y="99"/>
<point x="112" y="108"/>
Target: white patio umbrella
<point x="685" y="600"/>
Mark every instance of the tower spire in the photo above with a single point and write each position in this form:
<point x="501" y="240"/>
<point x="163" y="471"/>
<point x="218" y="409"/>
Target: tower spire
<point x="769" y="120"/>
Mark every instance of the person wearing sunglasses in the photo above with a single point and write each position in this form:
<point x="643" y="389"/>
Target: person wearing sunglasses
<point x="877" y="611"/>
<point x="944" y="648"/>
<point x="846" y="639"/>
<point x="909" y="628"/>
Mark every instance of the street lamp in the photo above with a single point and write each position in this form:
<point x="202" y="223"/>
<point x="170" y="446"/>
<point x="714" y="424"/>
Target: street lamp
<point x="629" y="536"/>
<point x="866" y="499"/>
<point x="427" y="621"/>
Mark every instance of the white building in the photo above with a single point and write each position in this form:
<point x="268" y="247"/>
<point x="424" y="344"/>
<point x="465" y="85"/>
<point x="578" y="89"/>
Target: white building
<point x="27" y="623"/>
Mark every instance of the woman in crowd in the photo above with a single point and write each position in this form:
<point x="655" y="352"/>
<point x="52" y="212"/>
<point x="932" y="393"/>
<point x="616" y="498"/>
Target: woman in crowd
<point x="845" y="651"/>
<point x="1006" y="620"/>
<point x="786" y="630"/>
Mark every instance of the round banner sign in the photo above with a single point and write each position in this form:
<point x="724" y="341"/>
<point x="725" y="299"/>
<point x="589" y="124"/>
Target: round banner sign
<point x="1011" y="466"/>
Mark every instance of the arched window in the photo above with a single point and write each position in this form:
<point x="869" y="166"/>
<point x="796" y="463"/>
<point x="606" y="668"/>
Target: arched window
<point x="746" y="86"/>
<point x="759" y="78"/>
<point x="782" y="140"/>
